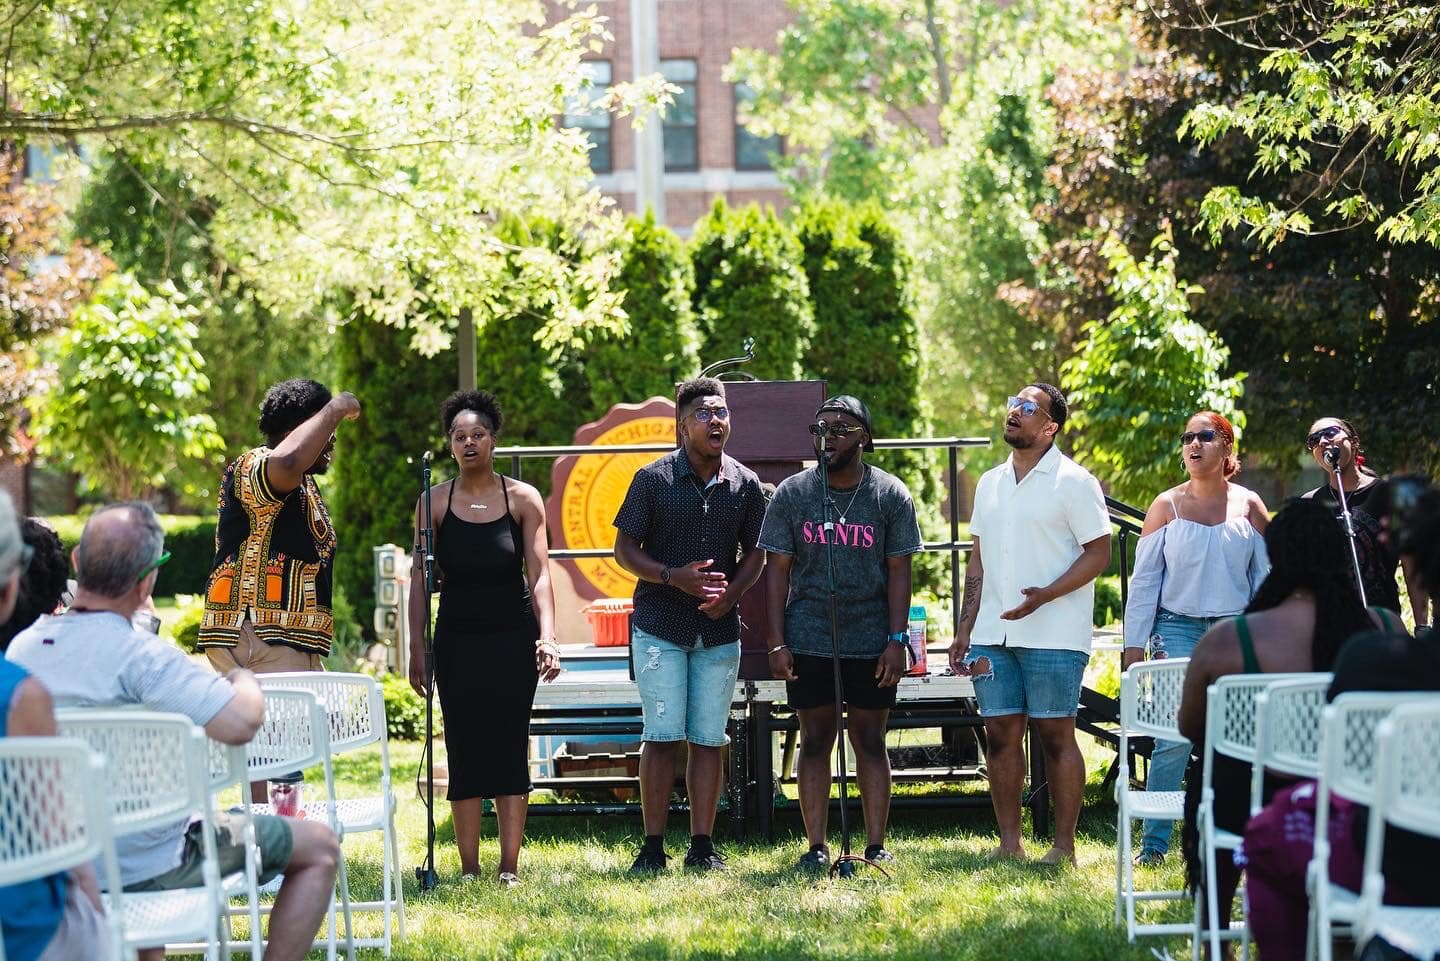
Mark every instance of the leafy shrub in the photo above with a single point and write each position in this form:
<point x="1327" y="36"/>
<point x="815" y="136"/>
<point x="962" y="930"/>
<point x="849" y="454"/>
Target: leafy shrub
<point x="184" y="627"/>
<point x="189" y="538"/>
<point x="404" y="709"/>
<point x="1108" y="608"/>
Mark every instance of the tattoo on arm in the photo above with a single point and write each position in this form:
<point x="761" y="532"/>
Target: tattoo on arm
<point x="969" y="608"/>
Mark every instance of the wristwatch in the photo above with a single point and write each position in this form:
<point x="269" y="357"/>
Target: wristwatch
<point x="664" y="575"/>
<point x="899" y="637"/>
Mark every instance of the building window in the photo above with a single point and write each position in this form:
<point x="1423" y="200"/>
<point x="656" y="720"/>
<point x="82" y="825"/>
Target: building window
<point x="681" y="129"/>
<point x="581" y="112"/>
<point x="751" y="152"/>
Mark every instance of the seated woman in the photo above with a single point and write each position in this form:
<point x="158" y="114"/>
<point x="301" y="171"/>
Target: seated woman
<point x="1305" y="609"/>
<point x="1279" y="840"/>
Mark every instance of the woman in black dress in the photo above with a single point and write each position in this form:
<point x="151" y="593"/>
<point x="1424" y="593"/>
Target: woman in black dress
<point x="495" y="631"/>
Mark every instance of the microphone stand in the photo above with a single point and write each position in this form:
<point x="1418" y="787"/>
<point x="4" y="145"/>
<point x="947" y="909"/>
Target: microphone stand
<point x="425" y="873"/>
<point x="1349" y="524"/>
<point x="844" y="866"/>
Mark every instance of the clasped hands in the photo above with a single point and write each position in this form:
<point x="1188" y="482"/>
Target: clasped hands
<point x="712" y="587"/>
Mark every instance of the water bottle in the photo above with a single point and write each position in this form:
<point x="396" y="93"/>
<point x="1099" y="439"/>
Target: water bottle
<point x="917" y="641"/>
<point x="286" y="796"/>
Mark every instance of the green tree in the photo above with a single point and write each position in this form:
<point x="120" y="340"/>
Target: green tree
<point x="867" y="343"/>
<point x="128" y="412"/>
<point x="150" y="223"/>
<point x="377" y="458"/>
<point x="749" y="282"/>
<point x="1141" y="372"/>
<point x="658" y="343"/>
<point x="1342" y="87"/>
<point x="367" y="148"/>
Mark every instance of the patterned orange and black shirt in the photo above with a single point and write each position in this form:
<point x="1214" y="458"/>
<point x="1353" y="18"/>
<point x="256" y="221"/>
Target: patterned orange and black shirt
<point x="274" y="561"/>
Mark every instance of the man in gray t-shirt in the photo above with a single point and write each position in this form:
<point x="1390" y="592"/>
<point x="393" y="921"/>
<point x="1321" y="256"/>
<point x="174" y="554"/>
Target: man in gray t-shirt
<point x="871" y="534"/>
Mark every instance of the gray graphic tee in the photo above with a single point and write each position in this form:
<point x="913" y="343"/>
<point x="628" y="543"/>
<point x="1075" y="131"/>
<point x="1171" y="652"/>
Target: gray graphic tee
<point x="879" y="523"/>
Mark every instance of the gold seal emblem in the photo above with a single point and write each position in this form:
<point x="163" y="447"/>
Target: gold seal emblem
<point x="587" y="491"/>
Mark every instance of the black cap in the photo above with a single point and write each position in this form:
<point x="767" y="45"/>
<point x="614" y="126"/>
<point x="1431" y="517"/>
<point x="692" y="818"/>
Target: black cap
<point x="855" y="407"/>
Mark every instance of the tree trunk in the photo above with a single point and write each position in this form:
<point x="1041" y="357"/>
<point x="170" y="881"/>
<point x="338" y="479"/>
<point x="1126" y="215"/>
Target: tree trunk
<point x="937" y="50"/>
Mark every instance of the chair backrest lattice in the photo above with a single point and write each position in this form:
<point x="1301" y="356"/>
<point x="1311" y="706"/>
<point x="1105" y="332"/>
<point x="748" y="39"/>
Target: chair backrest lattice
<point x="149" y="757"/>
<point x="292" y="736"/>
<point x="354" y="709"/>
<point x="1288" y="719"/>
<point x="1150" y="697"/>
<point x="1348" y="733"/>
<point x="51" y="816"/>
<point x="1410" y="783"/>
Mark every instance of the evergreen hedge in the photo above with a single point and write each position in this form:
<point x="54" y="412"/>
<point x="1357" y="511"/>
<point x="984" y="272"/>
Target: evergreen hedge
<point x="189" y="538"/>
<point x="749" y="282"/>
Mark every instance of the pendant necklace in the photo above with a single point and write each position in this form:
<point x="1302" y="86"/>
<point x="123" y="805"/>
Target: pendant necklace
<point x="704" y="494"/>
<point x="850" y="503"/>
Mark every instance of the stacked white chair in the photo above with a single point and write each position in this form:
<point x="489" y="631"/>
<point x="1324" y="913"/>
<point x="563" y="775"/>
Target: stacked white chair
<point x="1149" y="701"/>
<point x="1229" y="731"/>
<point x="1407" y="786"/>
<point x="355" y="709"/>
<point x="294" y="735"/>
<point x="54" y="815"/>
<point x="1287" y="724"/>
<point x="1347" y="769"/>
<point x="156" y="776"/>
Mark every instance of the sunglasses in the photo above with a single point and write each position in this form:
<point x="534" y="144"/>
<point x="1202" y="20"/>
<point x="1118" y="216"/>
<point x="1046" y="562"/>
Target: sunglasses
<point x="836" y="429"/>
<point x="1190" y="436"/>
<point x="1026" y="407"/>
<point x="703" y="415"/>
<point x="1323" y="434"/>
<point x="156" y="564"/>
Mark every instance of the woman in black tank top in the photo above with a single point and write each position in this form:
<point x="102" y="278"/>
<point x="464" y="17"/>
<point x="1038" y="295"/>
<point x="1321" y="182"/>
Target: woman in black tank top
<point x="495" y="631"/>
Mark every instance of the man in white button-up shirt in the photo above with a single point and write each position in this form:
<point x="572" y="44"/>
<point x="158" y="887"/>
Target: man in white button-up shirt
<point x="1042" y="536"/>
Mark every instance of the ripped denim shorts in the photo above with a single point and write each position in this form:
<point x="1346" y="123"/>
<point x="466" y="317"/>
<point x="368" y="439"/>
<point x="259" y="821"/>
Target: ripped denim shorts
<point x="684" y="692"/>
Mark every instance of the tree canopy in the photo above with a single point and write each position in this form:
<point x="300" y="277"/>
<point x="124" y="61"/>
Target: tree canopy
<point x="364" y="148"/>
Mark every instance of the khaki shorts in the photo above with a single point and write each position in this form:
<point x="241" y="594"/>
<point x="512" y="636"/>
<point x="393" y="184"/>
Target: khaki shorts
<point x="273" y="834"/>
<point x="255" y="655"/>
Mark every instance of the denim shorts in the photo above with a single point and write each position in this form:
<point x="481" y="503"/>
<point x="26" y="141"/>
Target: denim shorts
<point x="1034" y="681"/>
<point x="684" y="692"/>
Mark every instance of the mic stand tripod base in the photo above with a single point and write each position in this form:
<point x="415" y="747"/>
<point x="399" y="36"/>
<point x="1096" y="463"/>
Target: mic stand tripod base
<point x="427" y="879"/>
<point x="846" y="865"/>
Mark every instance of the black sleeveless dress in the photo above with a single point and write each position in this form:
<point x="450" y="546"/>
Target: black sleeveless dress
<point x="485" y="636"/>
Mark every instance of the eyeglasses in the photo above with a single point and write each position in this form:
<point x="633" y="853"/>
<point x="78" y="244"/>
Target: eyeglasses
<point x="1027" y="407"/>
<point x="836" y="429"/>
<point x="1323" y="434"/>
<point x="1190" y="436"/>
<point x="156" y="564"/>
<point x="703" y="415"/>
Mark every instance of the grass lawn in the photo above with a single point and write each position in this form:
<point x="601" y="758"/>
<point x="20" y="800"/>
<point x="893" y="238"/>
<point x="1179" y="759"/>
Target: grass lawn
<point x="943" y="900"/>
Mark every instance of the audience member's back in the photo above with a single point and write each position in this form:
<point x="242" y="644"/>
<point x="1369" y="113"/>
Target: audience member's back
<point x="42" y="583"/>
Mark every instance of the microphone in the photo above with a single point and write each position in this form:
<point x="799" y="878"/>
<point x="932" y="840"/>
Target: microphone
<point x="425" y="458"/>
<point x="1332" y="457"/>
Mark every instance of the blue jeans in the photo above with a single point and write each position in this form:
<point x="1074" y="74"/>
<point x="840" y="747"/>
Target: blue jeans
<point x="1034" y="681"/>
<point x="685" y="693"/>
<point x="1174" y="635"/>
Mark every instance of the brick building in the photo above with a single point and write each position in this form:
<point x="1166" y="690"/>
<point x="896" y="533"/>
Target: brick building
<point x="707" y="151"/>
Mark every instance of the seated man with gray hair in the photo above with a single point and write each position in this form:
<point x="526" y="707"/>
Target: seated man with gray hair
<point x="91" y="656"/>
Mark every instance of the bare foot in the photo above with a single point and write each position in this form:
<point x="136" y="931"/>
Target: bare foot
<point x="1058" y="856"/>
<point x="1003" y="853"/>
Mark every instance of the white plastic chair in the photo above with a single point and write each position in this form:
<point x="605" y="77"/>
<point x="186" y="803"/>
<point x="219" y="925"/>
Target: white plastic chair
<point x="157" y="778"/>
<point x="1347" y="769"/>
<point x="1287" y="726"/>
<point x="229" y="768"/>
<point x="294" y="735"/>
<point x="1407" y="786"/>
<point x="1229" y="731"/>
<point x="355" y="709"/>
<point x="1149" y="701"/>
<point x="54" y="815"/>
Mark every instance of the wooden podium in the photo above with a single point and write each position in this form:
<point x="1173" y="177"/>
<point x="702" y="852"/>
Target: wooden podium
<point x="770" y="421"/>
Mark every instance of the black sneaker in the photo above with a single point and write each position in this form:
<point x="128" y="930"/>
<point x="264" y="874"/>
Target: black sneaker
<point x="815" y="859"/>
<point x="877" y="854"/>
<point x="705" y="860"/>
<point x="649" y="862"/>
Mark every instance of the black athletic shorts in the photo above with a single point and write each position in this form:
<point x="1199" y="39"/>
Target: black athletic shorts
<point x="816" y="684"/>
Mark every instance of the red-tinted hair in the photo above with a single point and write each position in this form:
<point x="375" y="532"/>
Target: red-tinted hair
<point x="1226" y="430"/>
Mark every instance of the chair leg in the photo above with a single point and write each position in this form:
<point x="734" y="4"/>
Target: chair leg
<point x="398" y="878"/>
<point x="1212" y="893"/>
<point x="345" y="906"/>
